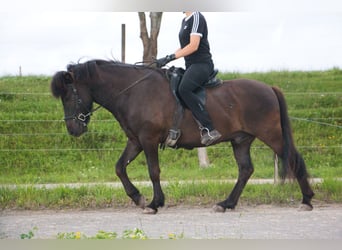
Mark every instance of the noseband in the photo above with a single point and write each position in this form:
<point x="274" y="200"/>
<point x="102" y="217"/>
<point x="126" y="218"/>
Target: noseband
<point x="81" y="117"/>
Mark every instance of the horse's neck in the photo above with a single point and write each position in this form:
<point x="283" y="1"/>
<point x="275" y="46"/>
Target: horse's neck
<point x="115" y="84"/>
<point x="110" y="88"/>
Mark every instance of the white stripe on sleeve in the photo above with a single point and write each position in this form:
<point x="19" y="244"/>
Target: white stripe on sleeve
<point x="195" y="23"/>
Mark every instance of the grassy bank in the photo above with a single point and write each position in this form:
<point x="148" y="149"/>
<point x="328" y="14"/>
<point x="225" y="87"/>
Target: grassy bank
<point x="35" y="146"/>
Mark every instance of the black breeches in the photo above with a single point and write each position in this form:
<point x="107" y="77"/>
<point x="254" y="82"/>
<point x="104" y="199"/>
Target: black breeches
<point x="194" y="77"/>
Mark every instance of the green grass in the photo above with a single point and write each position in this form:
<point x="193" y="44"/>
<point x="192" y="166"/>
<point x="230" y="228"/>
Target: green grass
<point x="35" y="146"/>
<point x="130" y="234"/>
<point x="198" y="194"/>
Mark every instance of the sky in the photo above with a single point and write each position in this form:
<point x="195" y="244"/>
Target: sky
<point x="45" y="41"/>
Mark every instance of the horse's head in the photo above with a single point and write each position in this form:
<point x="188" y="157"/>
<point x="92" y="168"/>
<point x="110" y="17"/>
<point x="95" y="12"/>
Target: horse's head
<point x="76" y="99"/>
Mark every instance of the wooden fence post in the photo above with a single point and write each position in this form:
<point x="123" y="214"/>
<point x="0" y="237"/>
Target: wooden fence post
<point x="203" y="157"/>
<point x="123" y="43"/>
<point x="276" y="169"/>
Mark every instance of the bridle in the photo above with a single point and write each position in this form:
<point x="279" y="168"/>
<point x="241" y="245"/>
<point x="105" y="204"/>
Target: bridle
<point x="81" y="117"/>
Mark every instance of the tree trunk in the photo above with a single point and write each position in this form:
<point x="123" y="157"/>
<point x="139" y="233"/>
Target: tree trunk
<point x="150" y="42"/>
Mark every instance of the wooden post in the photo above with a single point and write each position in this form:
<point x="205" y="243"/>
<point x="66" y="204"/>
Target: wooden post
<point x="276" y="169"/>
<point x="203" y="157"/>
<point x="123" y="43"/>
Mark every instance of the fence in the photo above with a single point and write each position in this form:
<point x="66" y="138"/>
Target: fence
<point x="56" y="136"/>
<point x="318" y="121"/>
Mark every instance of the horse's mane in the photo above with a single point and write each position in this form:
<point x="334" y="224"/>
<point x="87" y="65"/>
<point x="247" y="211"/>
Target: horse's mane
<point x="89" y="69"/>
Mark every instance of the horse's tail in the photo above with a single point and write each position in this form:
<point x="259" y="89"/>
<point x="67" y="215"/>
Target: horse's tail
<point x="291" y="159"/>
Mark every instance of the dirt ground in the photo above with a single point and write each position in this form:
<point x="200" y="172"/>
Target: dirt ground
<point x="245" y="222"/>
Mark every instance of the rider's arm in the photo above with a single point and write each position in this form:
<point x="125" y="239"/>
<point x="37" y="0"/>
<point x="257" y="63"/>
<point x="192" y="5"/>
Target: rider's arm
<point x="190" y="48"/>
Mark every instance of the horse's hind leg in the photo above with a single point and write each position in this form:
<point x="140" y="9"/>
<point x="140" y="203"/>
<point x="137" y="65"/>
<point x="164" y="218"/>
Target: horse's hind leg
<point x="292" y="161"/>
<point x="131" y="151"/>
<point x="300" y="172"/>
<point x="241" y="150"/>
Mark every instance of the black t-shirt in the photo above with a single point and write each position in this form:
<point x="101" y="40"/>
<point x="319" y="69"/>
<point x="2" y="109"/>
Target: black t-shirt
<point x="197" y="25"/>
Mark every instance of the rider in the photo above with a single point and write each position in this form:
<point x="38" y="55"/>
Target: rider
<point x="195" y="49"/>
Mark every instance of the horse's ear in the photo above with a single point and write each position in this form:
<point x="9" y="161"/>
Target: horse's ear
<point x="70" y="67"/>
<point x="59" y="82"/>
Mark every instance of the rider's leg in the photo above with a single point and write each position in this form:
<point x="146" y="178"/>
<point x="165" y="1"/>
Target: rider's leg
<point x="194" y="77"/>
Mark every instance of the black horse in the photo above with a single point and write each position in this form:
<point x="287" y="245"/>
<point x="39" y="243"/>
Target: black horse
<point x="140" y="99"/>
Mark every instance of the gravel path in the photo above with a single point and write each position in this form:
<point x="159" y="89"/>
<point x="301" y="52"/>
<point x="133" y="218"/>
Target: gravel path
<point x="260" y="222"/>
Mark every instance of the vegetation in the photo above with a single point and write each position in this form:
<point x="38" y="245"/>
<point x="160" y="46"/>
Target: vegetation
<point x="130" y="234"/>
<point x="35" y="147"/>
<point x="192" y="194"/>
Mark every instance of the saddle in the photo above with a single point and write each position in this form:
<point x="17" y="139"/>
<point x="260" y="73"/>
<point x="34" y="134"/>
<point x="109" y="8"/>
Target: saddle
<point x="174" y="75"/>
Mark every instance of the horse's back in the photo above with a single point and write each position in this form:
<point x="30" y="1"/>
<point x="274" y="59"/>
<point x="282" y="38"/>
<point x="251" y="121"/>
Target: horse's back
<point x="245" y="93"/>
<point x="247" y="87"/>
<point x="244" y="105"/>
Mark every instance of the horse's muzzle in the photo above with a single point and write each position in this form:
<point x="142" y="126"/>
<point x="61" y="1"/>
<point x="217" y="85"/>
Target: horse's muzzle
<point x="75" y="127"/>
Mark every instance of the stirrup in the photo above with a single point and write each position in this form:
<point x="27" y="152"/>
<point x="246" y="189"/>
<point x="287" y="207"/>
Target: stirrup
<point x="203" y="130"/>
<point x="208" y="138"/>
<point x="172" y="137"/>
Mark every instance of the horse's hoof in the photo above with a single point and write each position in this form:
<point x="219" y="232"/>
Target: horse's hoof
<point x="142" y="202"/>
<point x="218" y="209"/>
<point x="149" y="210"/>
<point x="305" y="207"/>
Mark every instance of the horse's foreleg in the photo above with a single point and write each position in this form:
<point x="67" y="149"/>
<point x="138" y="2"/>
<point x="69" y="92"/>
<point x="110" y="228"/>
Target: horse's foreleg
<point x="243" y="159"/>
<point x="131" y="151"/>
<point x="151" y="152"/>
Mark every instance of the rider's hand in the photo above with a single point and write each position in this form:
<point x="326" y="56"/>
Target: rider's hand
<point x="165" y="60"/>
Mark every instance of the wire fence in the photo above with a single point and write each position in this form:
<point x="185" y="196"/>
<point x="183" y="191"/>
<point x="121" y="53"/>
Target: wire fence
<point x="55" y="134"/>
<point x="319" y="121"/>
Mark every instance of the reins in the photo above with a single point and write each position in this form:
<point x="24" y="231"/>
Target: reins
<point x="82" y="117"/>
<point x="122" y="91"/>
